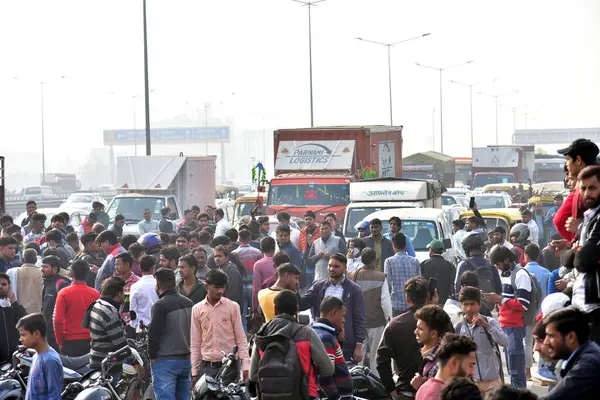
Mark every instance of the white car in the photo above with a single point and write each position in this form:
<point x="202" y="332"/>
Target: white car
<point x="422" y="225"/>
<point x="82" y="201"/>
<point x="493" y="200"/>
<point x="76" y="217"/>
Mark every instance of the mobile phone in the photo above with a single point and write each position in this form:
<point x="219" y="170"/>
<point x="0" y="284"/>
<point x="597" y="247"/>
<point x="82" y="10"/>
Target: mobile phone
<point x="433" y="284"/>
<point x="472" y="202"/>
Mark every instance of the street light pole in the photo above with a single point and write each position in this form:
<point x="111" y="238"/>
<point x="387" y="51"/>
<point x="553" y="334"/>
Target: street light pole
<point x="146" y="86"/>
<point x="441" y="70"/>
<point x="496" y="96"/>
<point x="134" y="128"/>
<point x="389" y="46"/>
<point x="310" y="4"/>
<point x="43" y="143"/>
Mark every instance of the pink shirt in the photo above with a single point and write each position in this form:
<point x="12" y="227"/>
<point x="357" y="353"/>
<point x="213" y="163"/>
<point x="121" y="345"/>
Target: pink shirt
<point x="216" y="329"/>
<point x="430" y="390"/>
<point x="263" y="270"/>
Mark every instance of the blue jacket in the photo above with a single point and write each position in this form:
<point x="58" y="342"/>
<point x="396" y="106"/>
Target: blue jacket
<point x="387" y="250"/>
<point x="409" y="249"/>
<point x="295" y="255"/>
<point x="580" y="375"/>
<point x="554" y="276"/>
<point x="355" y="327"/>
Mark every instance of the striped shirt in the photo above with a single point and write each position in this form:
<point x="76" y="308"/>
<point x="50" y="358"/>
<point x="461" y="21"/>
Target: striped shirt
<point x="248" y="255"/>
<point x="514" y="304"/>
<point x="398" y="269"/>
<point x="107" y="331"/>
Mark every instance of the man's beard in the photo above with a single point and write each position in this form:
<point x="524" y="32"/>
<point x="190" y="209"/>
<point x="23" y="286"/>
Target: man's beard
<point x="596" y="202"/>
<point x="561" y="353"/>
<point x="461" y="373"/>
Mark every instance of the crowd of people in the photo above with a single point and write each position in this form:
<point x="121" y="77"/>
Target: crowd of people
<point x="428" y="330"/>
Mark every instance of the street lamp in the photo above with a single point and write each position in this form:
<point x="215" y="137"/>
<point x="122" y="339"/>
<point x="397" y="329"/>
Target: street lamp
<point x="133" y="98"/>
<point x="496" y="96"/>
<point x="146" y="87"/>
<point x="310" y="4"/>
<point x="42" y="117"/>
<point x="441" y="96"/>
<point x="471" y="86"/>
<point x="389" y="46"/>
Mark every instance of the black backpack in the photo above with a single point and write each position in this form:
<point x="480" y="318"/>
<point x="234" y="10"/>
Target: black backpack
<point x="280" y="372"/>
<point x="486" y="282"/>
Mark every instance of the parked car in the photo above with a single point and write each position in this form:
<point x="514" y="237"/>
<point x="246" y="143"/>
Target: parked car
<point x="493" y="200"/>
<point x="76" y="217"/>
<point x="39" y="193"/>
<point x="82" y="201"/>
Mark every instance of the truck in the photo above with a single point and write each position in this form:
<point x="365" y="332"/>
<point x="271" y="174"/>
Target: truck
<point x="372" y="195"/>
<point x="464" y="167"/>
<point x="430" y="165"/>
<point x="61" y="182"/>
<point x="314" y="166"/>
<point x="549" y="169"/>
<point x="502" y="164"/>
<point x="152" y="182"/>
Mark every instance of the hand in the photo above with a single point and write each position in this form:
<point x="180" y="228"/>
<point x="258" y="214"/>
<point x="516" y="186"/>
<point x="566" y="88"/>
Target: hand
<point x="321" y="254"/>
<point x="394" y="394"/>
<point x="417" y="381"/>
<point x="479" y="320"/>
<point x="245" y="375"/>
<point x="559" y="244"/>
<point x="572" y="224"/>
<point x="94" y="268"/>
<point x="357" y="356"/>
<point x="194" y="380"/>
<point x="561" y="284"/>
<point x="340" y="336"/>
<point x="435" y="299"/>
<point x="493" y="297"/>
<point x="11" y="296"/>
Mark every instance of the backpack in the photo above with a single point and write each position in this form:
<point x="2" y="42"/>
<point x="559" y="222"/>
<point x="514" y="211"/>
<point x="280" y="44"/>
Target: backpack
<point x="280" y="372"/>
<point x="532" y="312"/>
<point x="486" y="282"/>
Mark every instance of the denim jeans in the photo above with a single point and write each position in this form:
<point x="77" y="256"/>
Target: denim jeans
<point x="515" y="356"/>
<point x="172" y="379"/>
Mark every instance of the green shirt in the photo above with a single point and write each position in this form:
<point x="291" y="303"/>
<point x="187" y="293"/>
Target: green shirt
<point x="196" y="295"/>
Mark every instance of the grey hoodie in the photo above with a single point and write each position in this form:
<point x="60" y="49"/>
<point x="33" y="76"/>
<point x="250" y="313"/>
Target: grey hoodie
<point x="487" y="368"/>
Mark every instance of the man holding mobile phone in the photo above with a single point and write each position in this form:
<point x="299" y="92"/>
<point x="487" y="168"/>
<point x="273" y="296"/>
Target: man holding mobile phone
<point x="439" y="270"/>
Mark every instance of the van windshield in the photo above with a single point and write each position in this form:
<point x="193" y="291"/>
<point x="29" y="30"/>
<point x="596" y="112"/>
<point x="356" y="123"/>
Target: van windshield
<point x="243" y="208"/>
<point x="421" y="232"/>
<point x="133" y="208"/>
<point x="489" y="179"/>
<point x="309" y="194"/>
<point x="355" y="215"/>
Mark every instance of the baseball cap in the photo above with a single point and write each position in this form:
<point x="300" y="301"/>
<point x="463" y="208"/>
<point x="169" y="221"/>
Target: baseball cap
<point x="580" y="147"/>
<point x="436" y="245"/>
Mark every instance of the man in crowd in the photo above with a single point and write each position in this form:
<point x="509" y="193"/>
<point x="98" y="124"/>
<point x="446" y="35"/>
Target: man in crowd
<point x="183" y="242"/>
<point x="382" y="246"/>
<point x="222" y="223"/>
<point x="456" y="358"/>
<point x="225" y="242"/>
<point x="528" y="220"/>
<point x="87" y="224"/>
<point x="248" y="255"/>
<point x="109" y="244"/>
<point x="438" y="268"/>
<point x="335" y="229"/>
<point x="399" y="269"/>
<point x="263" y="226"/>
<point x="337" y="285"/>
<point x="487" y="334"/>
<point x="8" y="249"/>
<point x="288" y="278"/>
<point x="310" y="233"/>
<point x="188" y="216"/>
<point x="263" y="268"/>
<point x="458" y="229"/>
<point x="143" y="293"/>
<point x="37" y="225"/>
<point x="329" y="326"/>
<point x="11" y="313"/>
<point x="205" y="239"/>
<point x="400" y="345"/>
<point x="147" y="225"/>
<point x="395" y="227"/>
<point x="323" y="248"/>
<point x="103" y="218"/>
<point x="29" y="283"/>
<point x="71" y="305"/>
<point x="285" y="244"/>
<point x="26" y="222"/>
<point x="235" y="285"/>
<point x="538" y="218"/>
<point x="378" y="304"/>
<point x="89" y="254"/>
<point x="567" y="333"/>
<point x="216" y="327"/>
<point x="200" y="254"/>
<point x="46" y="371"/>
<point x="55" y="240"/>
<point x="53" y="283"/>
<point x="124" y="261"/>
<point x="500" y="237"/>
<point x="169" y="257"/>
<point x="548" y="219"/>
<point x="169" y="339"/>
<point x="118" y="225"/>
<point x="284" y="219"/>
<point x="432" y="324"/>
<point x="514" y="302"/>
<point x="586" y="288"/>
<point x="189" y="286"/>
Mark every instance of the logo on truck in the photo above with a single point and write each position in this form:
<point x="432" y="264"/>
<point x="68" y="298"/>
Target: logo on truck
<point x="310" y="153"/>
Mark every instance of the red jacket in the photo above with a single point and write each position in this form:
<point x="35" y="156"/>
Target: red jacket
<point x="71" y="304"/>
<point x="572" y="207"/>
<point x="87" y="228"/>
<point x="303" y="244"/>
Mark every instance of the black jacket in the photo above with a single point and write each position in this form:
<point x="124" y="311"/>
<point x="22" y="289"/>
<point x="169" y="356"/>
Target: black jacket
<point x="580" y="376"/>
<point x="9" y="336"/>
<point x="444" y="272"/>
<point x="49" y="293"/>
<point x="171" y="310"/>
<point x="586" y="260"/>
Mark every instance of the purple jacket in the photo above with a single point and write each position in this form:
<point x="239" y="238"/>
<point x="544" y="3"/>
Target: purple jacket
<point x="355" y="327"/>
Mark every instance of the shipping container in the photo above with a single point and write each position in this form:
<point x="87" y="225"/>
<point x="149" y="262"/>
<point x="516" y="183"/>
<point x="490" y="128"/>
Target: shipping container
<point x="430" y="165"/>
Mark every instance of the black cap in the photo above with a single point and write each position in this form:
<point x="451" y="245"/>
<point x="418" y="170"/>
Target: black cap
<point x="580" y="147"/>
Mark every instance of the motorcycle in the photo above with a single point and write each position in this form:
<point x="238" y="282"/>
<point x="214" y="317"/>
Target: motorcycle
<point x="212" y="388"/>
<point x="365" y="385"/>
<point x="133" y="387"/>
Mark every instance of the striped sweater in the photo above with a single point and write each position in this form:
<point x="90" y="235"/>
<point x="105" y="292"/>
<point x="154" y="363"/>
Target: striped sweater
<point x="338" y="385"/>
<point x="107" y="331"/>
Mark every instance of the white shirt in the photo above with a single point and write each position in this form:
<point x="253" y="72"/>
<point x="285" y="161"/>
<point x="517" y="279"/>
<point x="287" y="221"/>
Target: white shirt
<point x="533" y="231"/>
<point x="147" y="226"/>
<point x="386" y="301"/>
<point x="294" y="236"/>
<point x="222" y="227"/>
<point x="141" y="299"/>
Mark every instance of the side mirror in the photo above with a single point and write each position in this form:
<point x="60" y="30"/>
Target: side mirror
<point x="447" y="244"/>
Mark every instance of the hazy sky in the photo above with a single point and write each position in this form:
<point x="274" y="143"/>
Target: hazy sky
<point x="249" y="59"/>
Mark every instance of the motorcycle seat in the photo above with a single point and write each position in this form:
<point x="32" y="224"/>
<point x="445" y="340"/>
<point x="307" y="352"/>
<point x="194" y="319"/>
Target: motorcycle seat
<point x="75" y="363"/>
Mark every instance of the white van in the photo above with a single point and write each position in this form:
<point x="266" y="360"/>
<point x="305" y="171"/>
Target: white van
<point x="422" y="225"/>
<point x="369" y="196"/>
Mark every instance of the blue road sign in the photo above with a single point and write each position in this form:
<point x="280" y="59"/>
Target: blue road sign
<point x="122" y="137"/>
